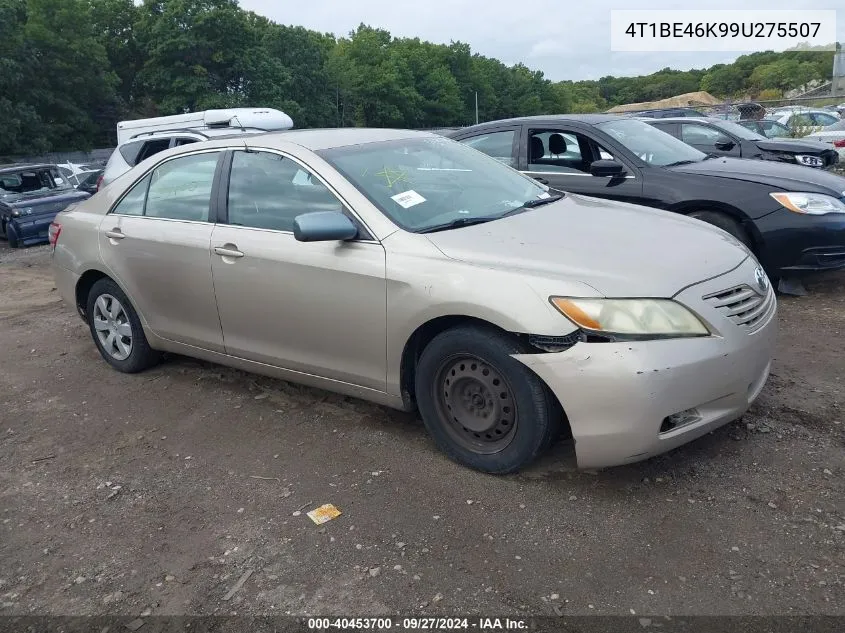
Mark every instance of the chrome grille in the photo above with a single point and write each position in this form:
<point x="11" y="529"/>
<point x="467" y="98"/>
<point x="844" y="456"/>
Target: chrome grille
<point x="743" y="305"/>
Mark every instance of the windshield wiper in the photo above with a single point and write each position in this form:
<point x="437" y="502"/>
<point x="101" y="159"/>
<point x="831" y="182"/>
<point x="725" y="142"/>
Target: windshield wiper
<point x="455" y="224"/>
<point x="530" y="204"/>
<point x="681" y="162"/>
<point x="459" y="222"/>
<point x="537" y="202"/>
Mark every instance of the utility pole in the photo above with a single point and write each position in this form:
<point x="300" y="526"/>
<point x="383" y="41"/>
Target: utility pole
<point x="476" y="107"/>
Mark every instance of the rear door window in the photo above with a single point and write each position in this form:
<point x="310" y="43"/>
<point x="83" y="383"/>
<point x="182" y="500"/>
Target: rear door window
<point x="180" y="189"/>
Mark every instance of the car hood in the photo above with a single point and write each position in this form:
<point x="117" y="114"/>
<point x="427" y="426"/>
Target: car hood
<point x="793" y="146"/>
<point x="619" y="249"/>
<point x="774" y="174"/>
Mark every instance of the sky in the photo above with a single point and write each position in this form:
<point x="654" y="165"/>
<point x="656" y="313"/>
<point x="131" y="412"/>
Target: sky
<point x="566" y="39"/>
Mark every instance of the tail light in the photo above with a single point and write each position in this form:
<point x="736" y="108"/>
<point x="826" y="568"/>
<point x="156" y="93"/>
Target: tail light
<point x="100" y="181"/>
<point x="53" y="233"/>
<point x="839" y="143"/>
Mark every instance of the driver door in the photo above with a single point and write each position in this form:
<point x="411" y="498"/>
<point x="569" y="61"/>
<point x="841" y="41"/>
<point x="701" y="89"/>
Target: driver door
<point x="561" y="157"/>
<point x="319" y="307"/>
<point x="705" y="139"/>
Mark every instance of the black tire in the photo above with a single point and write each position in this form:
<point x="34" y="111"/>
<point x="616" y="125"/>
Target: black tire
<point x="140" y="356"/>
<point x="726" y="223"/>
<point x="520" y="425"/>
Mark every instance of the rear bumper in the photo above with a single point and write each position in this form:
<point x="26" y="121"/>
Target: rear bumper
<point x="66" y="281"/>
<point x="796" y="244"/>
<point x="32" y="230"/>
<point x="618" y="396"/>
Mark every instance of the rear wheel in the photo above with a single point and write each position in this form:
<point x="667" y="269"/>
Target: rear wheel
<point x="483" y="408"/>
<point x="117" y="330"/>
<point x="726" y="223"/>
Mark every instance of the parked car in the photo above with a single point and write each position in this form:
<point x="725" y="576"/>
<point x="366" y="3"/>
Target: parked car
<point x="141" y="138"/>
<point x="89" y="180"/>
<point x="805" y="121"/>
<point x="792" y="217"/>
<point x="833" y="135"/>
<point x="73" y="172"/>
<point x="30" y="197"/>
<point x="726" y="138"/>
<point x="407" y="269"/>
<point x="769" y="128"/>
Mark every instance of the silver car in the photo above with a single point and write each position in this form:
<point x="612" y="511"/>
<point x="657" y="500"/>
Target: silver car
<point x="407" y="269"/>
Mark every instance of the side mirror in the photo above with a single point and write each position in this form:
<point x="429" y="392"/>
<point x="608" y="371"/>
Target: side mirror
<point x="726" y="145"/>
<point x="323" y="226"/>
<point x="607" y="168"/>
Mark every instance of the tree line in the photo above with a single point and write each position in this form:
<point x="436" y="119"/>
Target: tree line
<point x="70" y="69"/>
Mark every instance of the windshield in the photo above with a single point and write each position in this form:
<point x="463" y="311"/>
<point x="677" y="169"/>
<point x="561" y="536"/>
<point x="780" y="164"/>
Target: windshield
<point x="422" y="182"/>
<point x="15" y="185"/>
<point x="739" y="130"/>
<point x="840" y="125"/>
<point x="650" y="144"/>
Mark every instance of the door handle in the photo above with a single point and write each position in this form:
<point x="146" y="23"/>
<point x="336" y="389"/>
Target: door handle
<point x="541" y="180"/>
<point x="227" y="252"/>
<point x="115" y="234"/>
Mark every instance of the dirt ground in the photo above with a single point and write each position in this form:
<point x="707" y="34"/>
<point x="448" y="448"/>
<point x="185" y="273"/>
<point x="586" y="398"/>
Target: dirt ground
<point x="156" y="493"/>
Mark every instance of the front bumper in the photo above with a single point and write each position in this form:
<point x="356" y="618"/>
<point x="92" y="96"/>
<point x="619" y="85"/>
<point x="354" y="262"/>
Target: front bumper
<point x="618" y="395"/>
<point x="796" y="243"/>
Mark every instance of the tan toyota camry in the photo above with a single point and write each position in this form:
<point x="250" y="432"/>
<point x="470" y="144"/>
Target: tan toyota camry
<point x="410" y="270"/>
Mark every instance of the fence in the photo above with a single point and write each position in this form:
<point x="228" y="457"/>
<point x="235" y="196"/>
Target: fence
<point x="770" y="109"/>
<point x="95" y="157"/>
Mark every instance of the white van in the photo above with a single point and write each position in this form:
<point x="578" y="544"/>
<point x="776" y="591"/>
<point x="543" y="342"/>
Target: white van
<point x="141" y="138"/>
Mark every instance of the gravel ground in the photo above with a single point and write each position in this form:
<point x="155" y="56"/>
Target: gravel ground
<point x="156" y="493"/>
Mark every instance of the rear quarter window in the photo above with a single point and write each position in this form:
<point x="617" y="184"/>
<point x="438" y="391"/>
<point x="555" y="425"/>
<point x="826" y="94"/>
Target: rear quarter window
<point x="129" y="151"/>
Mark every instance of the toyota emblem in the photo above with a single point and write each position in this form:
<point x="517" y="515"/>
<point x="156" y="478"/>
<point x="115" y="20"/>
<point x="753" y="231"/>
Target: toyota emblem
<point x="761" y="279"/>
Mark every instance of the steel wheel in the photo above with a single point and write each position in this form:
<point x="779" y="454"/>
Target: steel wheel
<point x="111" y="324"/>
<point x="477" y="403"/>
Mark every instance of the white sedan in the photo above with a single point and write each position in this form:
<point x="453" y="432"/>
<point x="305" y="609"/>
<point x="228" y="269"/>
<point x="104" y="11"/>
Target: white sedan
<point x="835" y="135"/>
<point x="806" y="120"/>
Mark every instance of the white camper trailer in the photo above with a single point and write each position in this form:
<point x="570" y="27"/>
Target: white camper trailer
<point x="138" y="140"/>
<point x="236" y="118"/>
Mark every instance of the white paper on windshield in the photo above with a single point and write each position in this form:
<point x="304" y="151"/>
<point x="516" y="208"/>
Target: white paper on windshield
<point x="544" y="195"/>
<point x="408" y="199"/>
<point x="59" y="181"/>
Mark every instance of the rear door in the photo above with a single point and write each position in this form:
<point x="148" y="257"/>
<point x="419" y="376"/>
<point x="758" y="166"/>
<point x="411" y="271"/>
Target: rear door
<point x="156" y="243"/>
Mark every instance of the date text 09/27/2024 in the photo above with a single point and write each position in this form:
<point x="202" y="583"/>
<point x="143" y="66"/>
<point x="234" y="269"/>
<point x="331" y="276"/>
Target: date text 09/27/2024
<point x="417" y="624"/>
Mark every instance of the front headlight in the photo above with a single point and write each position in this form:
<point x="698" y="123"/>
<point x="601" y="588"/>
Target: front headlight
<point x="631" y="318"/>
<point x="809" y="161"/>
<point x="809" y="203"/>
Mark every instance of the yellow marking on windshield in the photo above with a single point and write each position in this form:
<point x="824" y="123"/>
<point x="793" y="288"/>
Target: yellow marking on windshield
<point x="392" y="176"/>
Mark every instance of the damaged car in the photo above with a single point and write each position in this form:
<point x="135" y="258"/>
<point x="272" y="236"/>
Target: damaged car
<point x="410" y="270"/>
<point x="30" y="197"/>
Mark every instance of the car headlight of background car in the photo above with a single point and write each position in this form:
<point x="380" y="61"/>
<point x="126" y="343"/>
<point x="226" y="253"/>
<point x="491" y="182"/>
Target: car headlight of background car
<point x="810" y="203"/>
<point x="638" y="319"/>
<point x="809" y="161"/>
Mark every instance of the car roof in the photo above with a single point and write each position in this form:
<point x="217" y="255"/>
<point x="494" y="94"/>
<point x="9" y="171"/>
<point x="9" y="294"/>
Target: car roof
<point x="549" y="119"/>
<point x="6" y="169"/>
<point x="688" y="119"/>
<point x="318" y="139"/>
